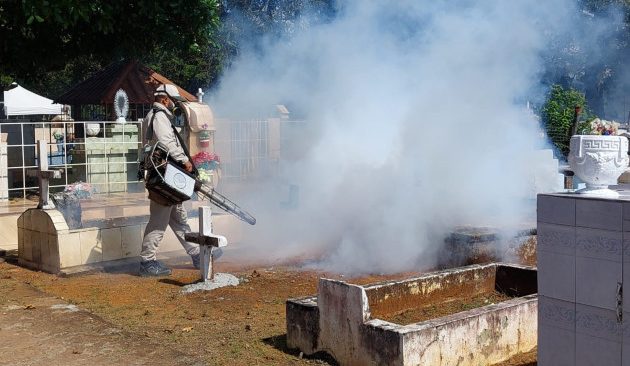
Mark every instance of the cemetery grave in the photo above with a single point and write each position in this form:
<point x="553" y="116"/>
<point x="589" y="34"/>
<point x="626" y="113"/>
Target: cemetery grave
<point x="240" y="325"/>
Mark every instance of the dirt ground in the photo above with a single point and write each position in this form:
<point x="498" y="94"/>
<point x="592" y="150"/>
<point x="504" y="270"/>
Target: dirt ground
<point x="242" y="325"/>
<point x="433" y="311"/>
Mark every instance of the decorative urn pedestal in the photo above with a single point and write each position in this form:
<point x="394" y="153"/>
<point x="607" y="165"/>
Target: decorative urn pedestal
<point x="598" y="161"/>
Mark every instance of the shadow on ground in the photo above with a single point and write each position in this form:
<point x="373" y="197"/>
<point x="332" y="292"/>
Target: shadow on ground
<point x="279" y="342"/>
<point x="170" y="281"/>
<point x="9" y="256"/>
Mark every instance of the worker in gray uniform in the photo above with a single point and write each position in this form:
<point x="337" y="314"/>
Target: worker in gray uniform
<point x="160" y="128"/>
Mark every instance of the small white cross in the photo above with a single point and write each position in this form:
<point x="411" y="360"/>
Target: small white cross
<point x="43" y="175"/>
<point x="207" y="242"/>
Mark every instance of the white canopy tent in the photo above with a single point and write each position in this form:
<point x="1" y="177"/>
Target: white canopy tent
<point x="21" y="102"/>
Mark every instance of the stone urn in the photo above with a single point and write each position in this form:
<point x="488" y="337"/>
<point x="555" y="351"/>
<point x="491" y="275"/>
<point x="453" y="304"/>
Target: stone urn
<point x="92" y="129"/>
<point x="598" y="161"/>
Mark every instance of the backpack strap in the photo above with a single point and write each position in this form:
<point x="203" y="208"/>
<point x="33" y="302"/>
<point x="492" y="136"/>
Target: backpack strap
<point x="150" y="132"/>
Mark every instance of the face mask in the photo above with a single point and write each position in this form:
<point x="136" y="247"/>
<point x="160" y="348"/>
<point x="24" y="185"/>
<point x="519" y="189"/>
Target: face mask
<point x="176" y="110"/>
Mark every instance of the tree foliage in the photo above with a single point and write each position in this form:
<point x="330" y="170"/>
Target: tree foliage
<point x="245" y="23"/>
<point x="592" y="58"/>
<point x="558" y="113"/>
<point x="62" y="36"/>
<point x="278" y="17"/>
<point x="49" y="45"/>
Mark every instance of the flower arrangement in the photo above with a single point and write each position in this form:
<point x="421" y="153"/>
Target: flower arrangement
<point x="206" y="160"/>
<point x="80" y="190"/>
<point x="602" y="127"/>
<point x="205" y="175"/>
<point x="58" y="135"/>
<point x="205" y="163"/>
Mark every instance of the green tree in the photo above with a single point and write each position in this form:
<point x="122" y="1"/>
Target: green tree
<point x="39" y="37"/>
<point x="558" y="113"/>
<point x="248" y="23"/>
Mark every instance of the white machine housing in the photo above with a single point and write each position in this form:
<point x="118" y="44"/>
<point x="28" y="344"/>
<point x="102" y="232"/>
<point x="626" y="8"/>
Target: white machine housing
<point x="175" y="178"/>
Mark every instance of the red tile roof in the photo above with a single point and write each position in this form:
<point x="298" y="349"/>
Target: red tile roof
<point x="137" y="80"/>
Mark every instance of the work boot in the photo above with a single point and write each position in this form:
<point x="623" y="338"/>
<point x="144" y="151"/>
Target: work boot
<point x="153" y="269"/>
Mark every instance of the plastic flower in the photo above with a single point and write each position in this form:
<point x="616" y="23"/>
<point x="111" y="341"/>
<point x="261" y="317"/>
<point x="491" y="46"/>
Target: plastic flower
<point x="603" y="127"/>
<point x="206" y="160"/>
<point x="204" y="175"/>
<point x="80" y="190"/>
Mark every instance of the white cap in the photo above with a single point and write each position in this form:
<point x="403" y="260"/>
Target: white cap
<point x="169" y="90"/>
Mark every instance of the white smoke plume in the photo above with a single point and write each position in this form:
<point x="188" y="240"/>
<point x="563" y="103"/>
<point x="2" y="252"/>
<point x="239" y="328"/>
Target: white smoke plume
<point x="416" y="123"/>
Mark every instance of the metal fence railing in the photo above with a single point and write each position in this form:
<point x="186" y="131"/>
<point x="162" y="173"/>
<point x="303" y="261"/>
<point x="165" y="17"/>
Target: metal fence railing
<point x="104" y="154"/>
<point x="243" y="147"/>
<point x="251" y="149"/>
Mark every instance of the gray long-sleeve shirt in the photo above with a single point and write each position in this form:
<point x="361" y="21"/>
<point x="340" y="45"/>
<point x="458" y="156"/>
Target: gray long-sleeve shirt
<point x="163" y="131"/>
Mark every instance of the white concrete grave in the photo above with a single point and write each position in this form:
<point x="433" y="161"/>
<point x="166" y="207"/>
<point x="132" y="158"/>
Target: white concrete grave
<point x="45" y="241"/>
<point x="345" y="320"/>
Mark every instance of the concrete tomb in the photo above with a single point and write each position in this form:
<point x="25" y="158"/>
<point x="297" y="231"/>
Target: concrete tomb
<point x="62" y="243"/>
<point x="347" y="321"/>
<point x="471" y="244"/>
<point x="46" y="243"/>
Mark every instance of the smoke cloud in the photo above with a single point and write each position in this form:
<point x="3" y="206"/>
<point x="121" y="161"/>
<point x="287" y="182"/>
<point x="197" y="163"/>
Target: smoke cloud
<point x="415" y="123"/>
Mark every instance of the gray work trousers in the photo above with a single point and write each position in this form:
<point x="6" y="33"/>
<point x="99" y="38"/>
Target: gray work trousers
<point x="161" y="217"/>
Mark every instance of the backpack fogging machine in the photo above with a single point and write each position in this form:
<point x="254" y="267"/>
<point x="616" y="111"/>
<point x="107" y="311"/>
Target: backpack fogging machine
<point x="167" y="179"/>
